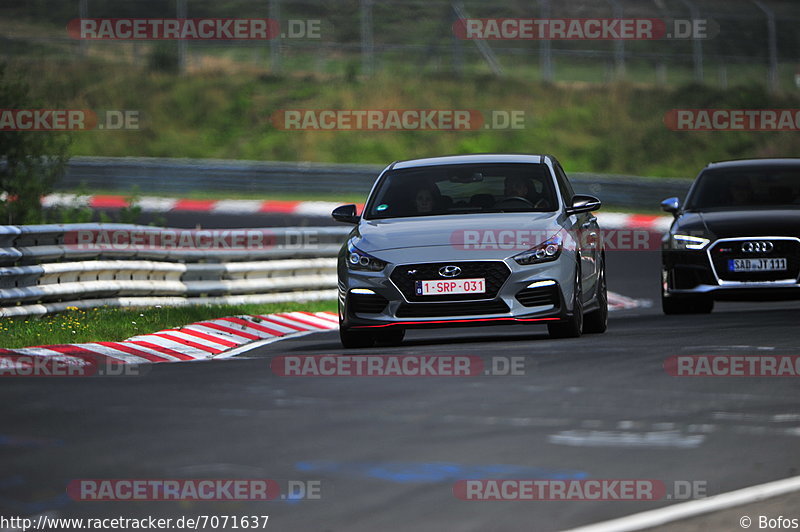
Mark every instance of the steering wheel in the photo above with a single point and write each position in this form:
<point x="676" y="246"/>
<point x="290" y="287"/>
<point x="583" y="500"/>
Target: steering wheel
<point x="513" y="201"/>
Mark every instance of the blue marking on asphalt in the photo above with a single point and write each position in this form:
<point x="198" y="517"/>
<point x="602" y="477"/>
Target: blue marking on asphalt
<point x="12" y="482"/>
<point x="426" y="472"/>
<point x="24" y="441"/>
<point x="35" y="507"/>
<point x="293" y="498"/>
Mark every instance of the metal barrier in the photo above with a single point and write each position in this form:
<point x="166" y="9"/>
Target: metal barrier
<point x="175" y="176"/>
<point x="43" y="268"/>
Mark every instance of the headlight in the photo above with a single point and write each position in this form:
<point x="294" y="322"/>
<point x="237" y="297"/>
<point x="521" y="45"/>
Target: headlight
<point x="358" y="260"/>
<point x="688" y="242"/>
<point x="548" y="250"/>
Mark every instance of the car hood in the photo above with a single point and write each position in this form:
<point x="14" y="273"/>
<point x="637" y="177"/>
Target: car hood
<point x="442" y="237"/>
<point x="725" y="224"/>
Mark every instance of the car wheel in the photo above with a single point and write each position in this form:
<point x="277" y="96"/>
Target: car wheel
<point x="687" y="304"/>
<point x="596" y="321"/>
<point x="394" y="336"/>
<point x="571" y="326"/>
<point x="355" y="339"/>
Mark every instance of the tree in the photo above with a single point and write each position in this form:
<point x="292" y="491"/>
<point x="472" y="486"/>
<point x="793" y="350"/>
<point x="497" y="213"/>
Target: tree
<point x="31" y="162"/>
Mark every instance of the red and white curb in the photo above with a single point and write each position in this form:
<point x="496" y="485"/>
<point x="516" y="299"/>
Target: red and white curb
<point x="607" y="220"/>
<point x="199" y="341"/>
<point x="217" y="338"/>
<point x="224" y="206"/>
<point x="620" y="302"/>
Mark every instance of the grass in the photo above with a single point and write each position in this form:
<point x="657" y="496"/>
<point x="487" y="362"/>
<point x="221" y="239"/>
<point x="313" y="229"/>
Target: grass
<point x="111" y="324"/>
<point x="605" y="128"/>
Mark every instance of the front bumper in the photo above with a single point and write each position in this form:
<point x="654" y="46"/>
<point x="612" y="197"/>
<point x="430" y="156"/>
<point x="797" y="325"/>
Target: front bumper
<point x="702" y="272"/>
<point x="529" y="294"/>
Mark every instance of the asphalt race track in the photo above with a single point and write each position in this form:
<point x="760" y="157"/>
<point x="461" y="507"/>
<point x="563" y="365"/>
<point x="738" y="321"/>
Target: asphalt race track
<point x="387" y="451"/>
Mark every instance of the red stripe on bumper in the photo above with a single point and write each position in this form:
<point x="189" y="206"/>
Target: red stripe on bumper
<point x="475" y="320"/>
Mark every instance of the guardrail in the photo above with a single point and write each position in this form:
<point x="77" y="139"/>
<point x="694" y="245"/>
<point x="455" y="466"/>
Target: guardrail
<point x="47" y="268"/>
<point x="160" y="175"/>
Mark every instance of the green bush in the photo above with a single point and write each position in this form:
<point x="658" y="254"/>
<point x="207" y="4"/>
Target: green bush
<point x="32" y="161"/>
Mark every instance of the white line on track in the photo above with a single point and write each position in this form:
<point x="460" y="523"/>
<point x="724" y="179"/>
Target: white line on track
<point x="676" y="512"/>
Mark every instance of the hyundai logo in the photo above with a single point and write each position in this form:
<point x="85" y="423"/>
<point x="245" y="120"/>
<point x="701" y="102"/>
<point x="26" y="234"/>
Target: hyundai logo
<point x="760" y="246"/>
<point x="450" y="271"/>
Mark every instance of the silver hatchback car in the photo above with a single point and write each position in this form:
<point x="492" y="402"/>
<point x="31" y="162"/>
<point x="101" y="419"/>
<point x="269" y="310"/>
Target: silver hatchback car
<point x="471" y="240"/>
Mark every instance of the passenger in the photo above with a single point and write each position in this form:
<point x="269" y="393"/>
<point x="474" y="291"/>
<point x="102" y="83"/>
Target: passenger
<point x="425" y="200"/>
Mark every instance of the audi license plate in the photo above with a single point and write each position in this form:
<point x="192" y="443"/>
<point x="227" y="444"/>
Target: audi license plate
<point x="454" y="286"/>
<point x="756" y="265"/>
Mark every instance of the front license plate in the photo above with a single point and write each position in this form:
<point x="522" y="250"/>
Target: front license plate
<point x="455" y="286"/>
<point x="756" y="265"/>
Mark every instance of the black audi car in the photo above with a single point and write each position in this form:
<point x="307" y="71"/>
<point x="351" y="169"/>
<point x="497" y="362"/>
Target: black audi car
<point x="736" y="237"/>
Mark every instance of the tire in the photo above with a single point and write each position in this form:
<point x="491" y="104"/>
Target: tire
<point x="392" y="337"/>
<point x="687" y="304"/>
<point x="596" y="322"/>
<point x="355" y="339"/>
<point x="571" y="326"/>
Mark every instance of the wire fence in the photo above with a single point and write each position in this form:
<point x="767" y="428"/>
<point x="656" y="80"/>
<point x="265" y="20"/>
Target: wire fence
<point x="746" y="41"/>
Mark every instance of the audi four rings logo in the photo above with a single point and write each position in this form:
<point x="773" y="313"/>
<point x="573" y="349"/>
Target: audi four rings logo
<point x="763" y="246"/>
<point x="449" y="271"/>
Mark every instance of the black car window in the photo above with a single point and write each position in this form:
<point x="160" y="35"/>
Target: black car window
<point x="563" y="183"/>
<point x="746" y="188"/>
<point x="463" y="189"/>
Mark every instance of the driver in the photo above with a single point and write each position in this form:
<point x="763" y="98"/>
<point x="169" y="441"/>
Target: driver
<point x="741" y="192"/>
<point x="516" y="186"/>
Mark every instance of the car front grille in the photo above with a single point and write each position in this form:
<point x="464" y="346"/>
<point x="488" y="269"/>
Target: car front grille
<point x="725" y="250"/>
<point x="445" y="310"/>
<point x="405" y="277"/>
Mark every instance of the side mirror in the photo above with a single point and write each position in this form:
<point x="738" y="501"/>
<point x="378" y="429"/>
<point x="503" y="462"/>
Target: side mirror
<point x="583" y="203"/>
<point x="346" y="214"/>
<point x="671" y="205"/>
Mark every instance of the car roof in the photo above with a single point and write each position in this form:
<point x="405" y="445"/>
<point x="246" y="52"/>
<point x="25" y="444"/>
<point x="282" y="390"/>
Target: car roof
<point x="471" y="159"/>
<point x="747" y="163"/>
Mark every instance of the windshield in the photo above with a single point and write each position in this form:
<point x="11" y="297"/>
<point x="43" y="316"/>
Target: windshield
<point x="746" y="188"/>
<point x="463" y="189"/>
